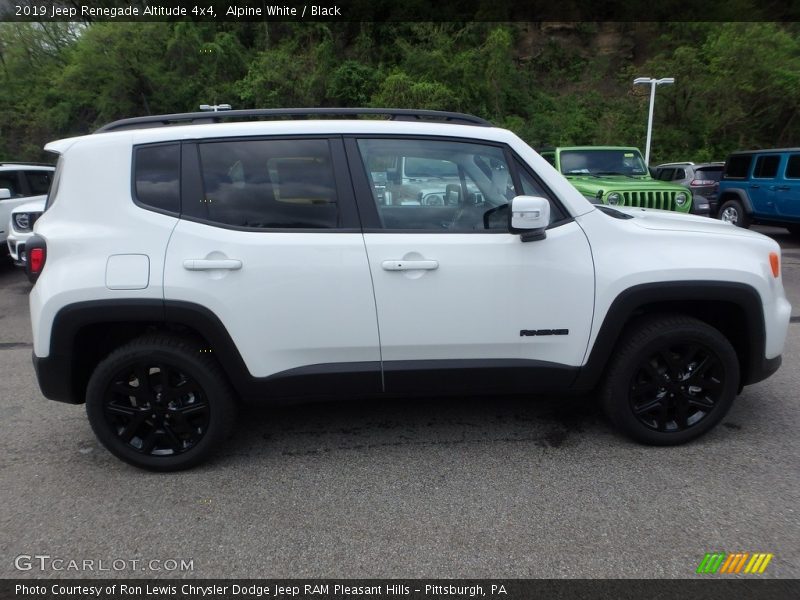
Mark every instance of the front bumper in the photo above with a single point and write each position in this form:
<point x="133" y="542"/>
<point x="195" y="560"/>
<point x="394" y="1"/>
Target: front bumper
<point x="16" y="246"/>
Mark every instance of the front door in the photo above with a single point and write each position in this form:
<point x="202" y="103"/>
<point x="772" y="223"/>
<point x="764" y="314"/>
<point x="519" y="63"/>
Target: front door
<point x="464" y="305"/>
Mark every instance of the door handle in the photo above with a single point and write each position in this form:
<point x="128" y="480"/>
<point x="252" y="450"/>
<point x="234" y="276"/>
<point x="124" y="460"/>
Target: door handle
<point x="206" y="264"/>
<point x="410" y="265"/>
<point x="783" y="188"/>
<point x="754" y="186"/>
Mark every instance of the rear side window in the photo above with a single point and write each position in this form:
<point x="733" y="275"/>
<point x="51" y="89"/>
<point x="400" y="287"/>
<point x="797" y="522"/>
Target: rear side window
<point x="767" y="166"/>
<point x="793" y="167"/>
<point x="738" y="166"/>
<point x="157" y="171"/>
<point x="284" y="184"/>
<point x="39" y="182"/>
<point x="709" y="173"/>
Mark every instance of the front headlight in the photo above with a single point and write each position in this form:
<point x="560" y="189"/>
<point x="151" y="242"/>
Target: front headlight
<point x="614" y="198"/>
<point x="22" y="221"/>
<point x="681" y="198"/>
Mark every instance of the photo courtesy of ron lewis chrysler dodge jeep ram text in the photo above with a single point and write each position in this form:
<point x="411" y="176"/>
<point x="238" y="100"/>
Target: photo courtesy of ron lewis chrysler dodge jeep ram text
<point x="185" y="263"/>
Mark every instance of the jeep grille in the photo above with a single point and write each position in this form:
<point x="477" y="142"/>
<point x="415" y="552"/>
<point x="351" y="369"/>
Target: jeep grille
<point x="662" y="200"/>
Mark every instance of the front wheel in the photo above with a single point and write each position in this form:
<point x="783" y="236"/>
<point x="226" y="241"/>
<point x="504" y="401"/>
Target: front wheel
<point x="160" y="403"/>
<point x="671" y="379"/>
<point x="733" y="212"/>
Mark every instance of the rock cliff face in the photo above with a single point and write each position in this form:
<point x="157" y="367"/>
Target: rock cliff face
<point x="618" y="40"/>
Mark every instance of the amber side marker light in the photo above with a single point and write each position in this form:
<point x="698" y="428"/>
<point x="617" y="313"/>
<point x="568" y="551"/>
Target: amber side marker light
<point x="775" y="263"/>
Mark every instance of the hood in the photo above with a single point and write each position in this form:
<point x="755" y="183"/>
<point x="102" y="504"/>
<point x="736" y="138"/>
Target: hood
<point x="667" y="220"/>
<point x="620" y="183"/>
<point x="35" y="205"/>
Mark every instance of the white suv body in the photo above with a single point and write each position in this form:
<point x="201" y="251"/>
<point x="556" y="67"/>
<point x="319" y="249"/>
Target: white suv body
<point x="265" y="260"/>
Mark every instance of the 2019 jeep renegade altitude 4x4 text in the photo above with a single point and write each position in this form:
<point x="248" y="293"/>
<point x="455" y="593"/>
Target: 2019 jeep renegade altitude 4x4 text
<point x="182" y="268"/>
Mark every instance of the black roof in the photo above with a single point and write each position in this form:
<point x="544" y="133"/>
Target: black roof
<point x="394" y="114"/>
<point x="766" y="150"/>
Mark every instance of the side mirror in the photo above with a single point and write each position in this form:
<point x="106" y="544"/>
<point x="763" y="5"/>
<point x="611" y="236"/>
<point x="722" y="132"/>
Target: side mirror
<point x="5" y="193"/>
<point x="529" y="216"/>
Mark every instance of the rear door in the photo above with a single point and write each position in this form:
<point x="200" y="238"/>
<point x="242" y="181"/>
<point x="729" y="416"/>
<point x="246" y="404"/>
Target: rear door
<point x="270" y="242"/>
<point x="787" y="191"/>
<point x="464" y="305"/>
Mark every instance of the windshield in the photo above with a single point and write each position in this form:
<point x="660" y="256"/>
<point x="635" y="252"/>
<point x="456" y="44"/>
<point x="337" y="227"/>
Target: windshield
<point x="602" y="162"/>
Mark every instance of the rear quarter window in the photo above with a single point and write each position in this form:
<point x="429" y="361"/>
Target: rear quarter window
<point x="157" y="172"/>
<point x="793" y="167"/>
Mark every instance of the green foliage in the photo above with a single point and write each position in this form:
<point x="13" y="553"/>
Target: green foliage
<point x="737" y="84"/>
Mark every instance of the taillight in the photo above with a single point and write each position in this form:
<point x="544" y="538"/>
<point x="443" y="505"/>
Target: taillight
<point x="36" y="258"/>
<point x="36" y="249"/>
<point x="702" y="182"/>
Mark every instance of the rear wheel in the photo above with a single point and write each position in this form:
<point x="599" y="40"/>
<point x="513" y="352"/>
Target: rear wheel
<point x="672" y="378"/>
<point x="733" y="212"/>
<point x="160" y="403"/>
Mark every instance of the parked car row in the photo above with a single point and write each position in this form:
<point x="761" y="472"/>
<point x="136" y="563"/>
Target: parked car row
<point x="23" y="190"/>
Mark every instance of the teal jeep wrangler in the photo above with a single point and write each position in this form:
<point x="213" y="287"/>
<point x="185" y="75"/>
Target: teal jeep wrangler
<point x="617" y="176"/>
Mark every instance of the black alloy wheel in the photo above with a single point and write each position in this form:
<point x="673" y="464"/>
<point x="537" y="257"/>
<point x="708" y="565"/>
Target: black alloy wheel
<point x="156" y="409"/>
<point x="671" y="378"/>
<point x="160" y="402"/>
<point x="676" y="387"/>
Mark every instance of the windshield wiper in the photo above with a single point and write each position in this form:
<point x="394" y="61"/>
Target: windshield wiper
<point x="615" y="173"/>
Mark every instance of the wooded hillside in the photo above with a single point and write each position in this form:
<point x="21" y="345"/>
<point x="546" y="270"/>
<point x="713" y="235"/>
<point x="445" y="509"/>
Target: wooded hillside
<point x="737" y="84"/>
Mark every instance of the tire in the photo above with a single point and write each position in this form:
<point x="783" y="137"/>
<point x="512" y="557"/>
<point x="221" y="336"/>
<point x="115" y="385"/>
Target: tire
<point x="733" y="212"/>
<point x="183" y="412"/>
<point x="671" y="379"/>
<point x="794" y="229"/>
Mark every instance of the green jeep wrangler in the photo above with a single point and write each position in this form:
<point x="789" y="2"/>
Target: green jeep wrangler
<point x="617" y="176"/>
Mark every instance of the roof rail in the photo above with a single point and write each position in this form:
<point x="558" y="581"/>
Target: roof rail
<point x="27" y="164"/>
<point x="394" y="114"/>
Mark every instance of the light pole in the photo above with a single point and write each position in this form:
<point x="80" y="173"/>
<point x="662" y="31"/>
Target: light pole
<point x="652" y="83"/>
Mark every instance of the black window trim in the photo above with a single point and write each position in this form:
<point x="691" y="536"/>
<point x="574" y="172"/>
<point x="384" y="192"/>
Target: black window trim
<point x="366" y="201"/>
<point x="192" y="188"/>
<point x="134" y="149"/>
<point x="747" y="172"/>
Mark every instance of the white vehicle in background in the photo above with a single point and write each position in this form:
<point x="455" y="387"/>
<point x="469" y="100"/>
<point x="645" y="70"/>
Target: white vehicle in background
<point x="20" y="227"/>
<point x="20" y="183"/>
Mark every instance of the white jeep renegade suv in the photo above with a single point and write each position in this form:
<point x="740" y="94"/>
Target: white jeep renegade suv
<point x="187" y="262"/>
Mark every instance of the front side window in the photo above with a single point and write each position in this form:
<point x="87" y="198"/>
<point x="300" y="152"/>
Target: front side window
<point x="157" y="171"/>
<point x="766" y="166"/>
<point x="437" y="185"/>
<point x="269" y="183"/>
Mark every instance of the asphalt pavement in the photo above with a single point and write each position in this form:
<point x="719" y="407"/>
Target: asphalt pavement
<point x="471" y="487"/>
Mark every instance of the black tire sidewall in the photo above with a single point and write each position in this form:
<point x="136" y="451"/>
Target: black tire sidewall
<point x="617" y="399"/>
<point x="216" y="393"/>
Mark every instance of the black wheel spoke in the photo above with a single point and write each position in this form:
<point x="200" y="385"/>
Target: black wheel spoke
<point x="641" y="389"/>
<point x="647" y="407"/>
<point x="682" y="411"/>
<point x="673" y="365"/>
<point x="174" y="442"/>
<point x="131" y="427"/>
<point x="163" y="376"/>
<point x="700" y="402"/>
<point x="150" y="440"/>
<point x="143" y="377"/>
